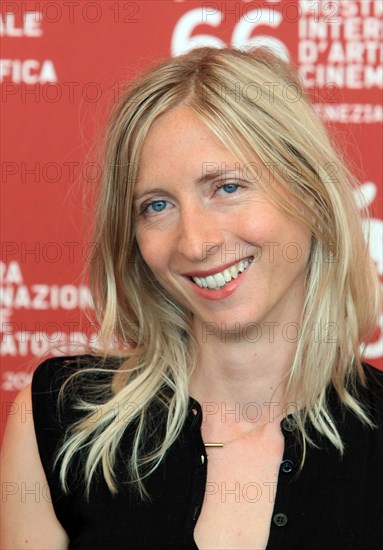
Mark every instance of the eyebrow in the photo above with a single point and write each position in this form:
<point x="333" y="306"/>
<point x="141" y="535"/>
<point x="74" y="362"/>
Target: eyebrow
<point x="205" y="178"/>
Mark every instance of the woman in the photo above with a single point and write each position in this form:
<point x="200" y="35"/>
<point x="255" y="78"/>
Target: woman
<point x="228" y="406"/>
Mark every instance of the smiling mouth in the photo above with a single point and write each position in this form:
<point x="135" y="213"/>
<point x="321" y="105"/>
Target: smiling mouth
<point x="221" y="279"/>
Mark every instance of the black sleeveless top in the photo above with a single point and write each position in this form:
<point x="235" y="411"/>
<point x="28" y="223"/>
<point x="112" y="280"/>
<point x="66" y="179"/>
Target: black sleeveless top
<point x="333" y="504"/>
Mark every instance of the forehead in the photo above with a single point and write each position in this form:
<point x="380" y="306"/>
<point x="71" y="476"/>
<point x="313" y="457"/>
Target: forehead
<point x="178" y="142"/>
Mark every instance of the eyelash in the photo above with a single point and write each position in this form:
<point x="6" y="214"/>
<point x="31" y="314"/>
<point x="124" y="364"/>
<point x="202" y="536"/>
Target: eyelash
<point x="145" y="206"/>
<point x="225" y="184"/>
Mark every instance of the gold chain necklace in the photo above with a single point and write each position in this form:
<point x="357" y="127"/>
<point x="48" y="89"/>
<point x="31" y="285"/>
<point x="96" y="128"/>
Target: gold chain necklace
<point x="241" y="436"/>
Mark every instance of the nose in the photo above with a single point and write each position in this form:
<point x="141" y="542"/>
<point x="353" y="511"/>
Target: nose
<point x="200" y="232"/>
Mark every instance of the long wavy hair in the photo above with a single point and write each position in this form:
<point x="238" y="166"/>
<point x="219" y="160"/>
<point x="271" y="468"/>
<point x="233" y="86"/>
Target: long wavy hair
<point x="147" y="331"/>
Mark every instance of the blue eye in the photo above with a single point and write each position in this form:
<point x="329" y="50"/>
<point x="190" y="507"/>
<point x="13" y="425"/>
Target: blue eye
<point x="156" y="206"/>
<point x="229" y="187"/>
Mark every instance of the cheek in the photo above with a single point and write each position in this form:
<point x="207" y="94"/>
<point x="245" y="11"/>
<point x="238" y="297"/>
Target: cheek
<point x="143" y="244"/>
<point x="263" y="228"/>
<point x="151" y="251"/>
<point x="280" y="239"/>
<point x="296" y="250"/>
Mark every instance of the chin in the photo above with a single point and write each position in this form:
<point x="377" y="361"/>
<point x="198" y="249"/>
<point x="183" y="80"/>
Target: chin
<point x="231" y="327"/>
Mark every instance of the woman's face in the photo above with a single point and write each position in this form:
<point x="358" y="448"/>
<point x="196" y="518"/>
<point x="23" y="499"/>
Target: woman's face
<point x="209" y="233"/>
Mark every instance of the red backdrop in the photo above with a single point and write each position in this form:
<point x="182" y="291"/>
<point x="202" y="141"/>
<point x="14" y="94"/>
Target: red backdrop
<point x="63" y="64"/>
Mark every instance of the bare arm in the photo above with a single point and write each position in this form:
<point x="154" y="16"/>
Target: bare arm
<point x="28" y="518"/>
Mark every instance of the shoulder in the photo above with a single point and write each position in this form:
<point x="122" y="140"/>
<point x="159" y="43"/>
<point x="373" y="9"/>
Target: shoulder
<point x="372" y="393"/>
<point x="51" y="374"/>
<point x="55" y="370"/>
<point x="48" y="380"/>
<point x="55" y="413"/>
<point x="21" y="466"/>
<point x="374" y="376"/>
<point x="366" y="390"/>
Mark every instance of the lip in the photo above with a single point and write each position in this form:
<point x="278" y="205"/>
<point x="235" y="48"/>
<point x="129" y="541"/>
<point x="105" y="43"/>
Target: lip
<point x="215" y="270"/>
<point x="225" y="292"/>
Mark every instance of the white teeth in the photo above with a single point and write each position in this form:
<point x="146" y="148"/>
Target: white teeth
<point x="211" y="282"/>
<point x="200" y="282"/>
<point x="227" y="275"/>
<point x="233" y="271"/>
<point x="219" y="280"/>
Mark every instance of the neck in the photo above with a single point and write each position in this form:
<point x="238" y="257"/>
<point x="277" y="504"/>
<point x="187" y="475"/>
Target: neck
<point x="242" y="377"/>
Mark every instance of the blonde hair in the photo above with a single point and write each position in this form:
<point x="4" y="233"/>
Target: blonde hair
<point x="142" y="326"/>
